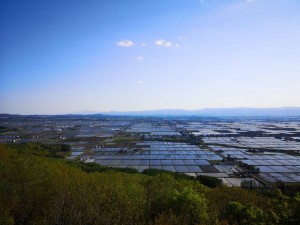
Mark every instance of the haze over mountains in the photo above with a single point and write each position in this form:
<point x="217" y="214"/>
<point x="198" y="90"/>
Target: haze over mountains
<point x="207" y="112"/>
<point x="244" y="111"/>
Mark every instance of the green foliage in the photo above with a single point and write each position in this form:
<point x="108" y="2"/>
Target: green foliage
<point x="39" y="149"/>
<point x="286" y="189"/>
<point x="154" y="172"/>
<point x="125" y="139"/>
<point x="211" y="182"/>
<point x="4" y="129"/>
<point x="125" y="170"/>
<point x="35" y="189"/>
<point x="191" y="205"/>
<point x="236" y="213"/>
<point x="296" y="209"/>
<point x="88" y="167"/>
<point x="95" y="167"/>
<point x="5" y="219"/>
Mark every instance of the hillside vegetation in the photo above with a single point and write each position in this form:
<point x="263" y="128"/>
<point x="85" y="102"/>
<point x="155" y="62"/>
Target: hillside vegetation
<point x="38" y="188"/>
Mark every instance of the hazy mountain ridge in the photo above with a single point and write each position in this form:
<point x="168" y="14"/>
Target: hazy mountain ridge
<point x="283" y="111"/>
<point x="207" y="112"/>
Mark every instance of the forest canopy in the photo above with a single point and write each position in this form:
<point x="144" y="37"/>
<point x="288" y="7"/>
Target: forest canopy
<point x="37" y="187"/>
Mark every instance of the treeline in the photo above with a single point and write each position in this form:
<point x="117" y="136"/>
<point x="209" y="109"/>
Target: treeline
<point x="41" y="149"/>
<point x="36" y="189"/>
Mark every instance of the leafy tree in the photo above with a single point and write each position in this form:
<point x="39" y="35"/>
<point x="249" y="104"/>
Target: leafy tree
<point x="211" y="182"/>
<point x="191" y="206"/>
<point x="236" y="213"/>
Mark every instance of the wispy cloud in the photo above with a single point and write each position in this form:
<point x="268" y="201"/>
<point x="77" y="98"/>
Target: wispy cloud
<point x="125" y="43"/>
<point x="164" y="43"/>
<point x="139" y="58"/>
<point x="143" y="44"/>
<point x="140" y="82"/>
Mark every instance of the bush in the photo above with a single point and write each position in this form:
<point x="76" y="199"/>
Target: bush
<point x="236" y="213"/>
<point x="211" y="182"/>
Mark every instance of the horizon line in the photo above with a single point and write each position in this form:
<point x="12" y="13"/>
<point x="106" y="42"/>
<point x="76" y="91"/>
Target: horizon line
<point x="94" y="112"/>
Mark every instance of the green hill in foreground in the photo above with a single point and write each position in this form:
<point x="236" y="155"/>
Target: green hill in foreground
<point x="39" y="188"/>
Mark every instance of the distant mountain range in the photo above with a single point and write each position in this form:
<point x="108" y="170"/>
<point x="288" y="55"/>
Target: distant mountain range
<point x="209" y="112"/>
<point x="214" y="112"/>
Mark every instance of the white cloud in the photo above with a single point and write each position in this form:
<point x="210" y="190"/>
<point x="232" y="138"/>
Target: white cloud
<point x="139" y="58"/>
<point x="161" y="42"/>
<point x="125" y="43"/>
<point x="140" y="82"/>
<point x="143" y="44"/>
<point x="177" y="45"/>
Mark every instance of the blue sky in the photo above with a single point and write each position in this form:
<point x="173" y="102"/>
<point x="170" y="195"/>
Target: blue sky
<point x="64" y="56"/>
